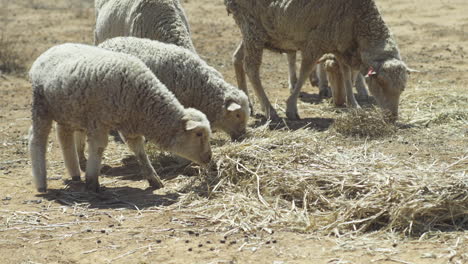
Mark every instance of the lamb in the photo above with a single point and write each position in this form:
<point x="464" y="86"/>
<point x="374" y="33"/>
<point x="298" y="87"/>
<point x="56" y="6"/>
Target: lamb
<point x="319" y="76"/>
<point x="162" y="20"/>
<point x="330" y="73"/>
<point x="88" y="89"/>
<point x="193" y="82"/>
<point x="352" y="30"/>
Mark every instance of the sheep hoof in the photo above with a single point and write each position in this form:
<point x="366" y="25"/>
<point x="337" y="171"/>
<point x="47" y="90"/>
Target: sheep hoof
<point x="42" y="189"/>
<point x="92" y="185"/>
<point x="155" y="182"/>
<point x="293" y="116"/>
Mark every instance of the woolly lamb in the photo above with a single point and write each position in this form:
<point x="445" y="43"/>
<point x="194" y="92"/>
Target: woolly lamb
<point x="85" y="88"/>
<point x="352" y="30"/>
<point x="193" y="82"/>
<point x="319" y="76"/>
<point x="162" y="20"/>
<point x="330" y="73"/>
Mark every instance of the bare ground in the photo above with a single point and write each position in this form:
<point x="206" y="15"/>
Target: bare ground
<point x="129" y="223"/>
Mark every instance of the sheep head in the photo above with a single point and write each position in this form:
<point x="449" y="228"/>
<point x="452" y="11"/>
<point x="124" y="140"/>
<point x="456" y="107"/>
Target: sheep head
<point x="386" y="81"/>
<point x="193" y="140"/>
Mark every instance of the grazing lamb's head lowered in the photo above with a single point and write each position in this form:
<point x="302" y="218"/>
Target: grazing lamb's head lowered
<point x="193" y="142"/>
<point x="236" y="112"/>
<point x="386" y="82"/>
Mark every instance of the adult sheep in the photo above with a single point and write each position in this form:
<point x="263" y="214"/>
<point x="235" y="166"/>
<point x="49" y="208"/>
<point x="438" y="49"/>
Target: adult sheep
<point x="162" y="20"/>
<point x="85" y="88"/>
<point x="352" y="30"/>
<point x="193" y="82"/>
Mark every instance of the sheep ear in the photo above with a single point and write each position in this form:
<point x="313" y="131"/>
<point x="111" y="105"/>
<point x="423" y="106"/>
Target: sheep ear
<point x="409" y="70"/>
<point x="191" y="125"/>
<point x="233" y="107"/>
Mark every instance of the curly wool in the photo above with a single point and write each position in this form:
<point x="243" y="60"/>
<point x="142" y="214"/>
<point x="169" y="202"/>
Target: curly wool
<point x="162" y="20"/>
<point x="85" y="87"/>
<point x="194" y="83"/>
<point x="336" y="27"/>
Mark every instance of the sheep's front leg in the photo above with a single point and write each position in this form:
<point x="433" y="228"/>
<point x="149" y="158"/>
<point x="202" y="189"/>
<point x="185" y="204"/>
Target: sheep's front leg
<point x="97" y="142"/>
<point x="67" y="144"/>
<point x="137" y="145"/>
<point x="252" y="61"/>
<point x="292" y="70"/>
<point x="38" y="135"/>
<point x="360" y="84"/>
<point x="80" y="142"/>
<point x="348" y="84"/>
<point x="238" y="61"/>
<point x="307" y="67"/>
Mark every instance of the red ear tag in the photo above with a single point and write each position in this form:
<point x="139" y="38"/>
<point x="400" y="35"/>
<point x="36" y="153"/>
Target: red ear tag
<point x="371" y="72"/>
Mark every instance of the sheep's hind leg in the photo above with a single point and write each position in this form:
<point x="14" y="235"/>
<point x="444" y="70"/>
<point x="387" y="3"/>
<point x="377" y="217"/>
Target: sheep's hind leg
<point x="307" y="67"/>
<point x="348" y="83"/>
<point x="38" y="135"/>
<point x="252" y="61"/>
<point x="137" y="145"/>
<point x="292" y="70"/>
<point x="67" y="144"/>
<point x="80" y="142"/>
<point x="97" y="142"/>
<point x="238" y="61"/>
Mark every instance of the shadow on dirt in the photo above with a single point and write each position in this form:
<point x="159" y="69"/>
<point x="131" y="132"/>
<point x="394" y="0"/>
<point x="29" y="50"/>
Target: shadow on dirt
<point x="314" y="98"/>
<point x="319" y="124"/>
<point x="109" y="198"/>
<point x="167" y="166"/>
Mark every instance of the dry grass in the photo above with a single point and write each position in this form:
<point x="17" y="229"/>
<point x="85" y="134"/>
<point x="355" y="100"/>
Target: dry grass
<point x="364" y="123"/>
<point x="301" y="180"/>
<point x="10" y="57"/>
<point x="11" y="60"/>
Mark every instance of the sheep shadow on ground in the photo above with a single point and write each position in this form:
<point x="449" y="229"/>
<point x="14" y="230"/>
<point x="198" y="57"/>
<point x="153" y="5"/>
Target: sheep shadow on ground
<point x="311" y="98"/>
<point x="109" y="198"/>
<point x="317" y="99"/>
<point x="316" y="123"/>
<point x="167" y="166"/>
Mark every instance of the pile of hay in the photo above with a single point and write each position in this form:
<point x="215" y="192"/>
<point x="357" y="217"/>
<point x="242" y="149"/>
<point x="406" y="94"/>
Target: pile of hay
<point x="364" y="123"/>
<point x="302" y="180"/>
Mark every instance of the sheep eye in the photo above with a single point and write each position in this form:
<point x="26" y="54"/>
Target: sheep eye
<point x="199" y="134"/>
<point x="238" y="115"/>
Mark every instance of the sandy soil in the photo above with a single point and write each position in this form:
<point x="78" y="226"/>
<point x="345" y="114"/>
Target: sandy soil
<point x="128" y="223"/>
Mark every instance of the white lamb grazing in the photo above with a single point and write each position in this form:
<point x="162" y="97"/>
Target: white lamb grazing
<point x="352" y="30"/>
<point x="85" y="88"/>
<point x="162" y="20"/>
<point x="193" y="82"/>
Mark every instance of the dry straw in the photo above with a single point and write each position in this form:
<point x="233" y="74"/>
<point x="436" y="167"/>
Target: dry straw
<point x="303" y="180"/>
<point x="364" y="123"/>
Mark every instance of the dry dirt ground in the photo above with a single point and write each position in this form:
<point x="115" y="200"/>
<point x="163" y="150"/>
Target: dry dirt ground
<point x="127" y="223"/>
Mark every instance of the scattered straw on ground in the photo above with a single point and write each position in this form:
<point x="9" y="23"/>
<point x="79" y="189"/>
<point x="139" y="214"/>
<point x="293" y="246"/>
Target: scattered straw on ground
<point x="301" y="180"/>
